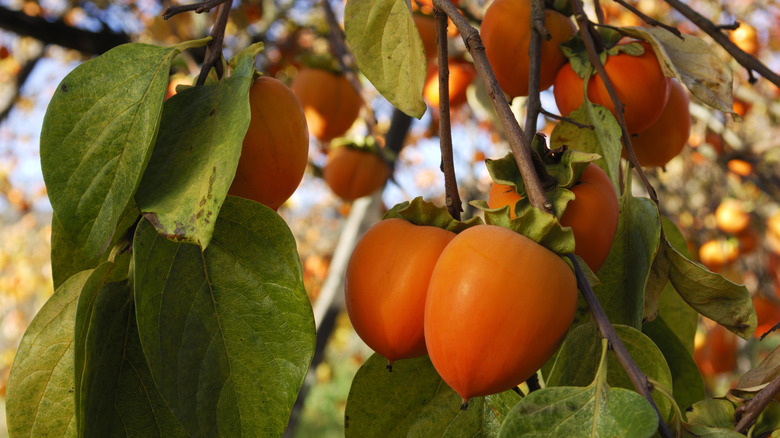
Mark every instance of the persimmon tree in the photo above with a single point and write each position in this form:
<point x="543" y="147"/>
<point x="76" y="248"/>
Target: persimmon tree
<point x="180" y="310"/>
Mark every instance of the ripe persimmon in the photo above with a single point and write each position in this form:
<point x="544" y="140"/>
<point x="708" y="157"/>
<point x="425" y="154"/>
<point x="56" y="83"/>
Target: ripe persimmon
<point x="665" y="139"/>
<point x="427" y="29"/>
<point x="592" y="215"/>
<point x="329" y="100"/>
<point x="731" y="216"/>
<point x="498" y="305"/>
<point x="387" y="282"/>
<point x="461" y="75"/>
<point x="638" y="80"/>
<point x="716" y="351"/>
<point x="746" y="38"/>
<point x="714" y="254"/>
<point x="276" y="145"/>
<point x="353" y="173"/>
<point x="506" y="34"/>
<point x="767" y="314"/>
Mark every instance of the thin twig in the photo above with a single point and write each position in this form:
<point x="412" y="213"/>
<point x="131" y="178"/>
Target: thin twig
<point x="748" y="413"/>
<point x="521" y="149"/>
<point x="593" y="56"/>
<point x="452" y="197"/>
<point x="214" y="50"/>
<point x="649" y="20"/>
<point x="198" y="7"/>
<point x="338" y="44"/>
<point x="743" y="58"/>
<point x="638" y="378"/>
<point x="565" y="119"/>
<point x="534" y="104"/>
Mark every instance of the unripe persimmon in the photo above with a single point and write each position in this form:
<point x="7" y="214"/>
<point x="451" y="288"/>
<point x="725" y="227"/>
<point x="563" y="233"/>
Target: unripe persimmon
<point x="354" y="173"/>
<point x="498" y="305"/>
<point x="329" y="100"/>
<point x="664" y="139"/>
<point x="592" y="215"/>
<point x="638" y="80"/>
<point x="506" y="34"/>
<point x="387" y="282"/>
<point x="276" y="145"/>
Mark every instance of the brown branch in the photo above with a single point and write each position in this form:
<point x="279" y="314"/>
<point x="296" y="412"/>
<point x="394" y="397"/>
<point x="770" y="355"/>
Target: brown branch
<point x="534" y="104"/>
<point x="521" y="149"/>
<point x="638" y="378"/>
<point x="452" y="196"/>
<point x="214" y="47"/>
<point x="585" y="25"/>
<point x="198" y="7"/>
<point x="649" y="20"/>
<point x="748" y="413"/>
<point x="743" y="58"/>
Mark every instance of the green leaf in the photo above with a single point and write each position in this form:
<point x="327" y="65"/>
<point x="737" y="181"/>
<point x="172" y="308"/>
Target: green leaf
<point x="228" y="332"/>
<point x="688" y="385"/>
<point x="67" y="258"/>
<point x="97" y="137"/>
<point x="768" y="421"/>
<point x="196" y="155"/>
<point x="593" y="411"/>
<point x="421" y="212"/>
<point x="578" y="361"/>
<point x="691" y="60"/>
<point x="413" y="400"/>
<point x="39" y="397"/>
<point x="388" y="50"/>
<point x="627" y="268"/>
<point x="715" y="413"/>
<point x="601" y="135"/>
<point x="711" y="294"/>
<point x="116" y="391"/>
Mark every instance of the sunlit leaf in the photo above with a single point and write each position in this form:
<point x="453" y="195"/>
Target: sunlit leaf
<point x="596" y="410"/>
<point x="97" y="137"/>
<point x="388" y="50"/>
<point x="712" y="418"/>
<point x="413" y="400"/>
<point x="228" y="332"/>
<point x="39" y="397"/>
<point x="196" y="155"/>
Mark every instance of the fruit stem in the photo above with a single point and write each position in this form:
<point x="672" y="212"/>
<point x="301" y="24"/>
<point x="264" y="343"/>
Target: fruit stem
<point x="521" y="149"/>
<point x="638" y="378"/>
<point x="584" y="26"/>
<point x="465" y="405"/>
<point x="452" y="197"/>
<point x="743" y="58"/>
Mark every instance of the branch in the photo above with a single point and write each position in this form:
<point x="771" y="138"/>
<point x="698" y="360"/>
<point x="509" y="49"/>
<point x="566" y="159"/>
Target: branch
<point x="521" y="149"/>
<point x="198" y="7"/>
<point x="748" y="413"/>
<point x="214" y="48"/>
<point x="59" y="33"/>
<point x="605" y="328"/>
<point x="649" y="20"/>
<point x="538" y="30"/>
<point x="585" y="26"/>
<point x="743" y="58"/>
<point x="452" y="197"/>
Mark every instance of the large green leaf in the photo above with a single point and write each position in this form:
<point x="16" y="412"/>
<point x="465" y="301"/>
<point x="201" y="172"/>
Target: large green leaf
<point x="593" y="411"/>
<point x="116" y="395"/>
<point x="627" y="268"/>
<point x="228" y="332"/>
<point x="97" y="137"/>
<point x="389" y="51"/>
<point x="712" y="418"/>
<point x="413" y="401"/>
<point x="688" y="386"/>
<point x="196" y="155"/>
<point x="577" y="362"/>
<point x="39" y="397"/>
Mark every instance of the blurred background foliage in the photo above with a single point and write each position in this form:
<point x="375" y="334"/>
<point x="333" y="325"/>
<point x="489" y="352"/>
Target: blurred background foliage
<point x="723" y="191"/>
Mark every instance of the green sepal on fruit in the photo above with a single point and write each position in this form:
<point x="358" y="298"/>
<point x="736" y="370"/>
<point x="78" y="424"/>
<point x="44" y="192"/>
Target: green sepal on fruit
<point x="421" y="212"/>
<point x="574" y="49"/>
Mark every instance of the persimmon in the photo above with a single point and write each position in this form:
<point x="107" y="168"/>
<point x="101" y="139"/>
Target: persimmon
<point x="386" y="284"/>
<point x="353" y="173"/>
<point x="772" y="232"/>
<point x="329" y="100"/>
<point x="715" y="253"/>
<point x="665" y="139"/>
<point x="767" y="314"/>
<point x="461" y="75"/>
<point x="746" y="38"/>
<point x="638" y="80"/>
<point x="731" y="216"/>
<point x="716" y="352"/>
<point x="740" y="167"/>
<point x="506" y="34"/>
<point x="498" y="305"/>
<point x="592" y="215"/>
<point x="427" y="29"/>
<point x="276" y="145"/>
